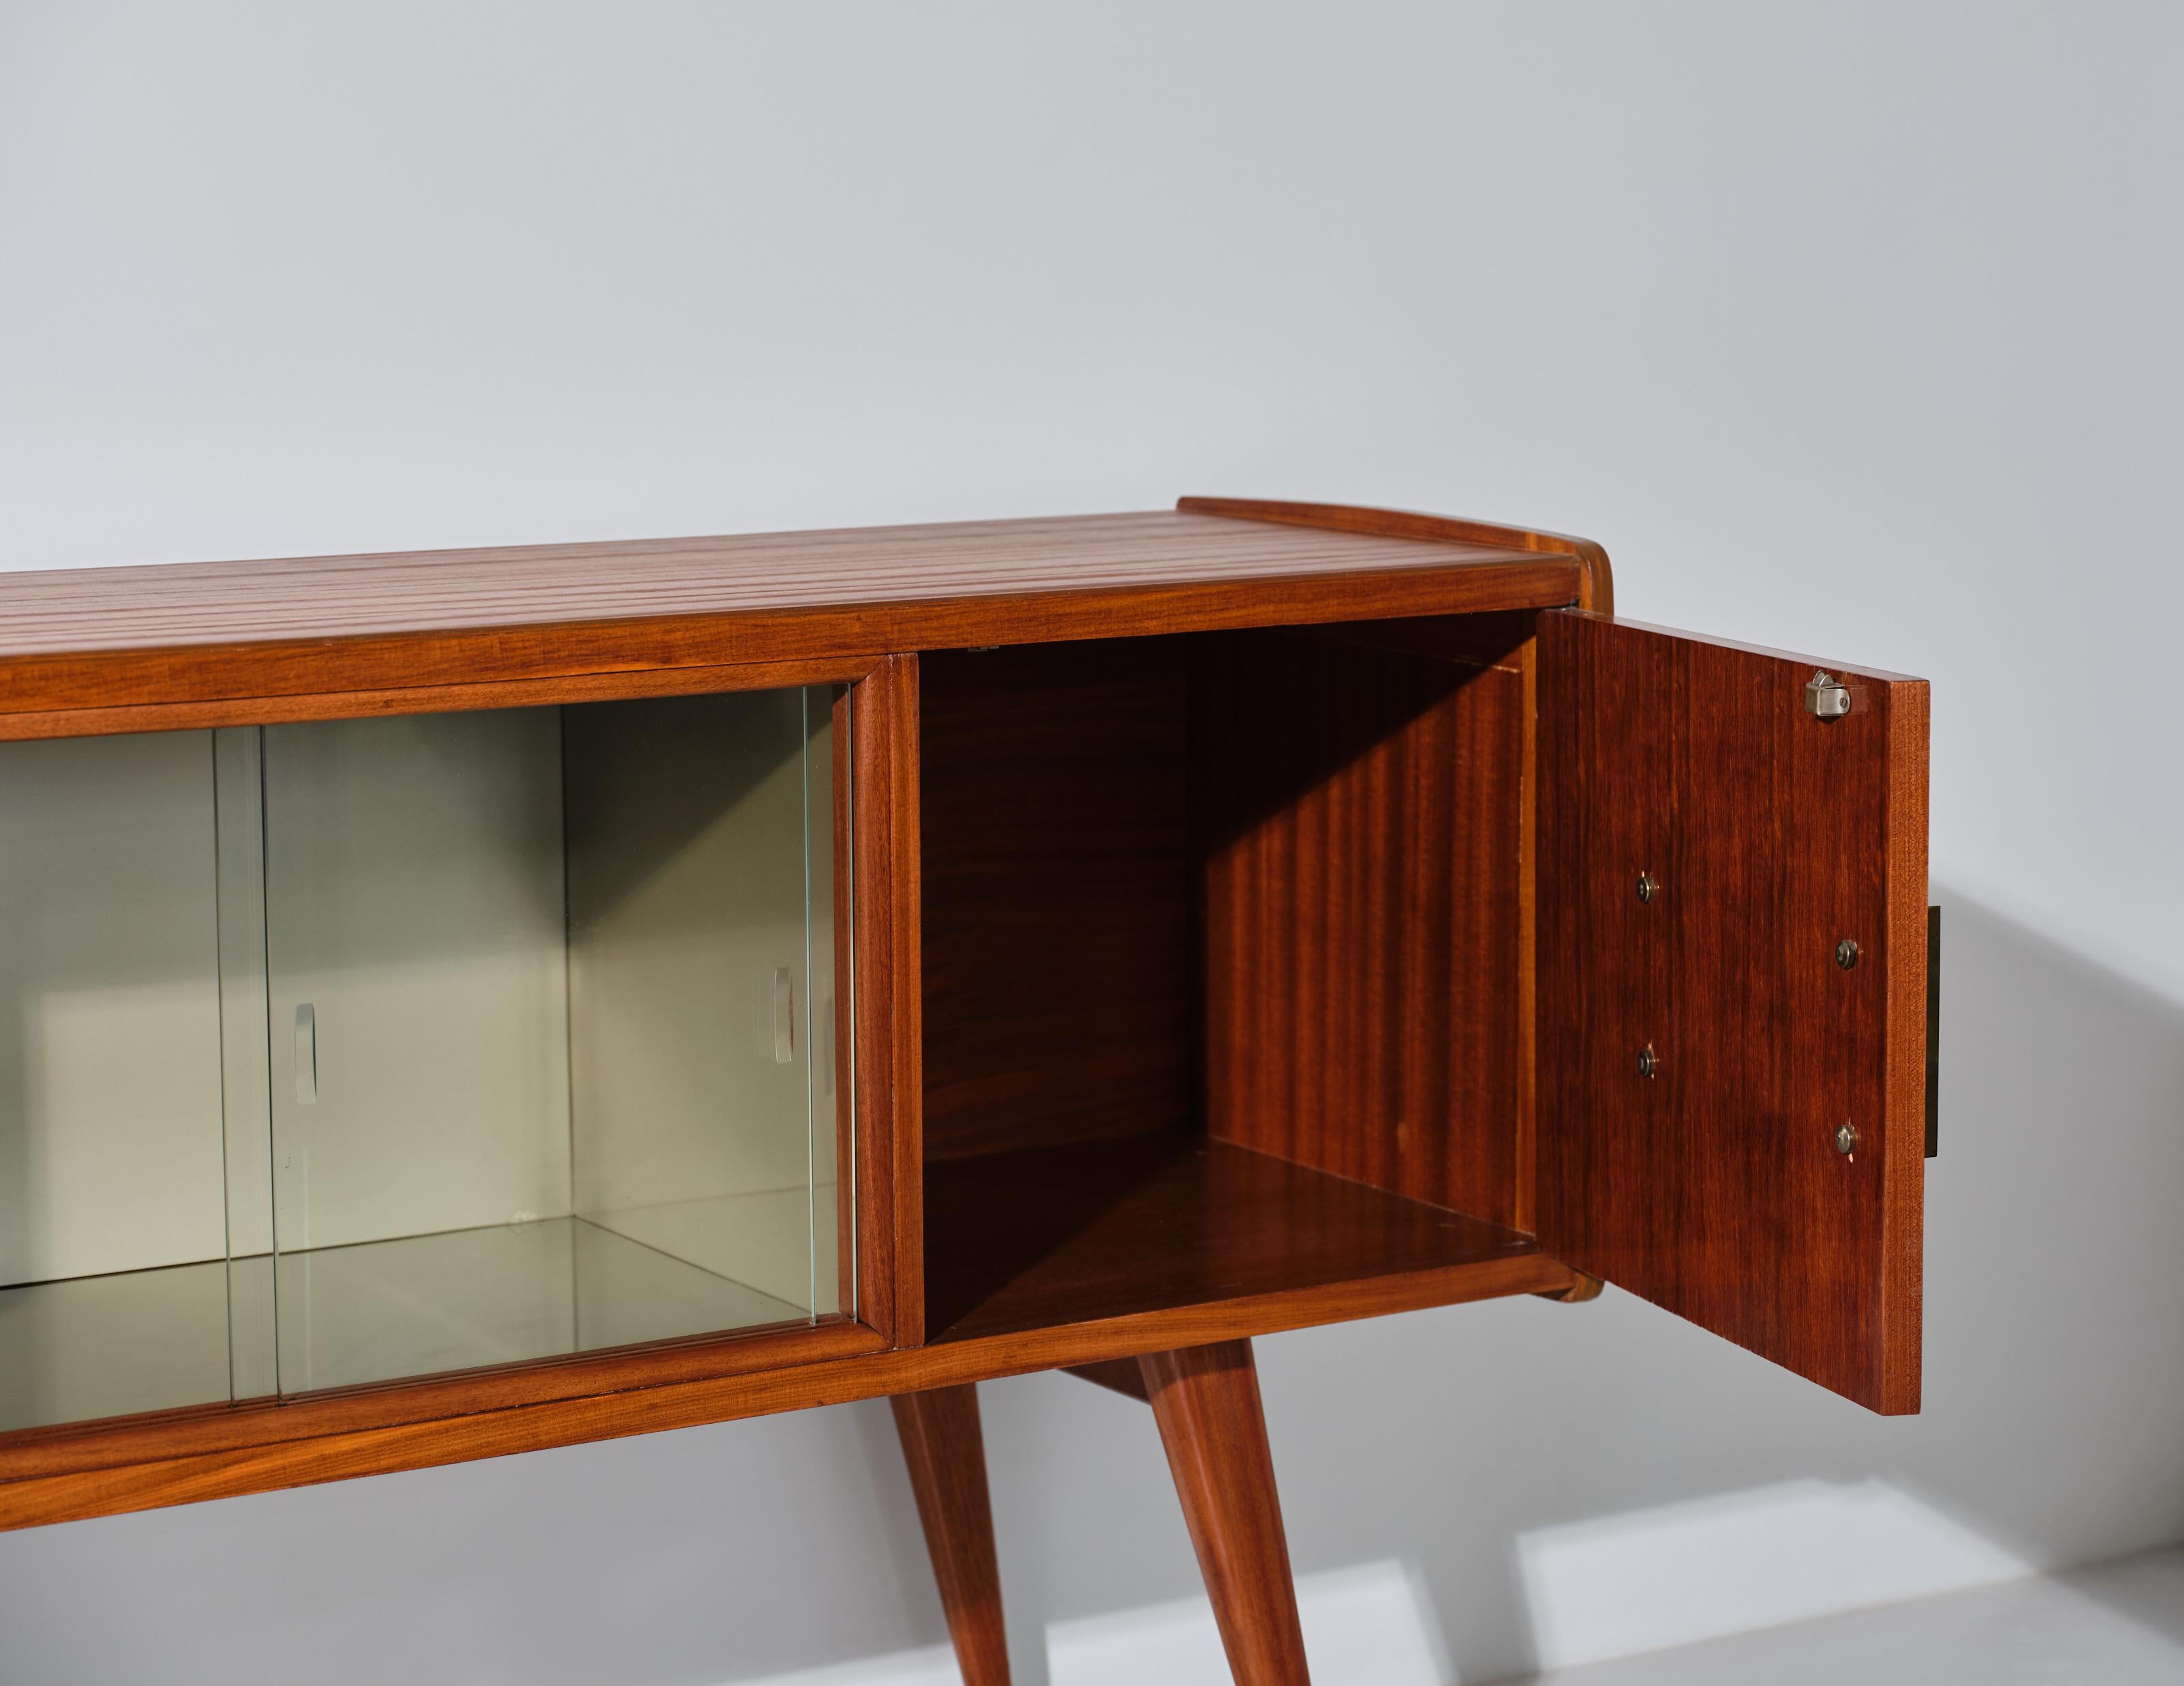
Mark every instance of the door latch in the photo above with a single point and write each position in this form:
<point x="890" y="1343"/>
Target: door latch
<point x="1826" y="696"/>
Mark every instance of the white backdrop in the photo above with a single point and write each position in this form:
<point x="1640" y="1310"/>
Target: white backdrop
<point x="1851" y="329"/>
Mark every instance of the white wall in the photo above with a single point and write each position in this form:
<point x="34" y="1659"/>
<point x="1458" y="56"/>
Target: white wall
<point x="1852" y="329"/>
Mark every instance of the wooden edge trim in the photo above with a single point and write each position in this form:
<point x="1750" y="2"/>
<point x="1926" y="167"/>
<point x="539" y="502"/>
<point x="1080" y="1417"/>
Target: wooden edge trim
<point x="906" y="990"/>
<point x="1841" y="669"/>
<point x="1595" y="592"/>
<point x="66" y="1447"/>
<point x="259" y="675"/>
<point x="888" y="988"/>
<point x="174" y="1481"/>
<point x="872" y="1141"/>
<point x="610" y="686"/>
<point x="872" y="948"/>
<point x="1525" y="1212"/>
<point x="1903" y="1172"/>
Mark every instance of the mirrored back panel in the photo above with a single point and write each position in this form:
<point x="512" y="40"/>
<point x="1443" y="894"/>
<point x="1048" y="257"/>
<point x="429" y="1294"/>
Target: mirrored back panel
<point x="339" y="1051"/>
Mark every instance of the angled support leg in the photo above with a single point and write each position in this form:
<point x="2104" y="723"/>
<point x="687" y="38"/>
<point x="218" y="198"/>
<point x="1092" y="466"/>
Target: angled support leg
<point x="947" y="1459"/>
<point x="1206" y="1401"/>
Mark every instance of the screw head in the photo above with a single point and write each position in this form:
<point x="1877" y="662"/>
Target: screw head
<point x="1846" y="953"/>
<point x="1648" y="1061"/>
<point x="1846" y="1139"/>
<point x="1648" y="886"/>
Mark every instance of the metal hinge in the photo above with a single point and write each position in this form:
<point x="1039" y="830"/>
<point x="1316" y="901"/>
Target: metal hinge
<point x="1826" y="696"/>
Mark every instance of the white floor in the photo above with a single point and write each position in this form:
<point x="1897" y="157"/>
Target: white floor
<point x="2119" y="1624"/>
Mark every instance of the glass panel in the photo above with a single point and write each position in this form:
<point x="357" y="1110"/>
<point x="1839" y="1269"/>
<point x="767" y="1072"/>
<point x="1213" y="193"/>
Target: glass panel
<point x="115" y="1219"/>
<point x="537" y="992"/>
<point x="514" y="1031"/>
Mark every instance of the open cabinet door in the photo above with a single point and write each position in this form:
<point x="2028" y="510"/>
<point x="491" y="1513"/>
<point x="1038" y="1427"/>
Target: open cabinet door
<point x="1732" y="991"/>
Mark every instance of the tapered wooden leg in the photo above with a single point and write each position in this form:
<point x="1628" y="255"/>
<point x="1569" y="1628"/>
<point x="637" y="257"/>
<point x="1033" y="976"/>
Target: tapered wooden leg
<point x="947" y="1459"/>
<point x="1206" y="1401"/>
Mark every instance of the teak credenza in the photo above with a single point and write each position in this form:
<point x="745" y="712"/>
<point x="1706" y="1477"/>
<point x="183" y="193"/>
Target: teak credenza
<point x="478" y="1001"/>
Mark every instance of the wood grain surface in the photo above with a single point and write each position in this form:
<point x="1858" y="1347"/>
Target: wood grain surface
<point x="887" y="998"/>
<point x="135" y="638"/>
<point x="1596" y="581"/>
<point x="1205" y="1400"/>
<point x="945" y="1451"/>
<point x="1715" y="1188"/>
<point x="1056" y="973"/>
<point x="451" y="699"/>
<point x="1015" y="1241"/>
<point x="1359" y="810"/>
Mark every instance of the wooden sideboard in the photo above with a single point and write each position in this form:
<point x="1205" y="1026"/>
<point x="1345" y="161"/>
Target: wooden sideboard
<point x="479" y="1001"/>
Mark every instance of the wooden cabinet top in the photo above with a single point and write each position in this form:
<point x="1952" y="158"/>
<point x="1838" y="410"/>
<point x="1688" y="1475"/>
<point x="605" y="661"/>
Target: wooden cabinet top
<point x="130" y="639"/>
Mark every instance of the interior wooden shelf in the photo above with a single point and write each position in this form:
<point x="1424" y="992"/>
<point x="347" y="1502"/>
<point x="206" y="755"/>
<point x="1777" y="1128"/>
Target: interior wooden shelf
<point x="1104" y="1228"/>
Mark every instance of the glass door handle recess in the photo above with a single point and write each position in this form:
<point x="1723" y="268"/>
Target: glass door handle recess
<point x="307" y="1055"/>
<point x="785" y="1015"/>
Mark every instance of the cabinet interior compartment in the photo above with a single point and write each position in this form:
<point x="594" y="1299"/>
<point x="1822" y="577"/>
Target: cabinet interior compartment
<point x="1226" y="942"/>
<point x="338" y="1052"/>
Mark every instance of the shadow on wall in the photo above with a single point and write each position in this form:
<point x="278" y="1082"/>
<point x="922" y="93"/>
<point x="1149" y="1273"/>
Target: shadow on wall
<point x="1484" y="1467"/>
